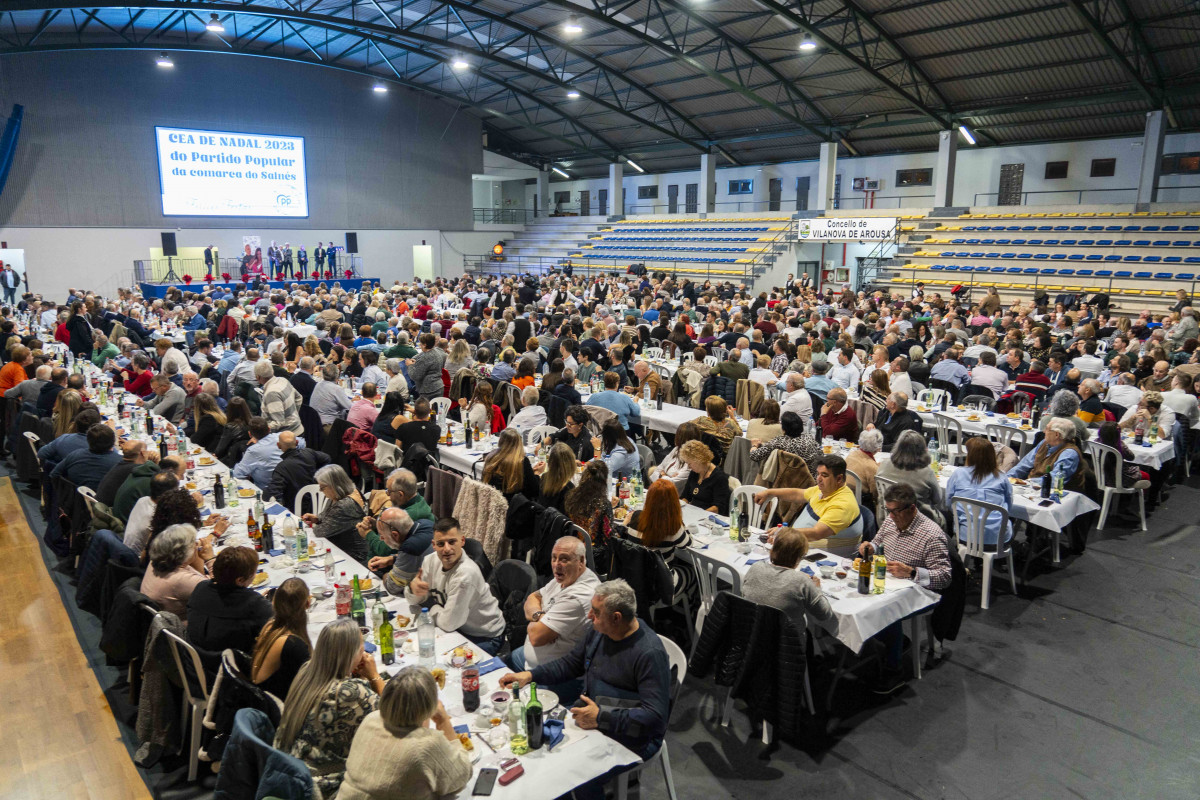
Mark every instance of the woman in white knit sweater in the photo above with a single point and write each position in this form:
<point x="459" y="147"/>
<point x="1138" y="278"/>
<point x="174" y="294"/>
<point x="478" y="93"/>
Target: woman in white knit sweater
<point x="396" y="755"/>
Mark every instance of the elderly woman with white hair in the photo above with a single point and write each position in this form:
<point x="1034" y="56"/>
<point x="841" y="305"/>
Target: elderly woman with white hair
<point x="178" y="563"/>
<point x="910" y="464"/>
<point x="408" y="748"/>
<point x="531" y="414"/>
<point x="1065" y="404"/>
<point x="1058" y="455"/>
<point x="338" y="522"/>
<point x="861" y="461"/>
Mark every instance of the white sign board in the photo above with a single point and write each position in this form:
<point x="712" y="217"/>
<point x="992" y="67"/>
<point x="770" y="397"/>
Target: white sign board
<point x="847" y="229"/>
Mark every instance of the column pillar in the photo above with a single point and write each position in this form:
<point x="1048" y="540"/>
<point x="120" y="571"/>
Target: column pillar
<point x="543" y="192"/>
<point x="707" y="200"/>
<point x="826" y="170"/>
<point x="1152" y="151"/>
<point x="616" y="196"/>
<point x="943" y="173"/>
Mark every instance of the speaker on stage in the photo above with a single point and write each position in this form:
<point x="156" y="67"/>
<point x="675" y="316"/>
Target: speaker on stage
<point x="168" y="244"/>
<point x="351" y="242"/>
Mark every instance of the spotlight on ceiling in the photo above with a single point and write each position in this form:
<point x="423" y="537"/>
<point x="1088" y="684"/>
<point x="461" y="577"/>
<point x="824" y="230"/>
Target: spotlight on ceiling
<point x="214" y="24"/>
<point x="460" y="63"/>
<point x="807" y="44"/>
<point x="164" y="61"/>
<point x="966" y="134"/>
<point x="572" y="25"/>
<point x="380" y="88"/>
<point x="629" y="161"/>
<point x="573" y="94"/>
<point x="560" y="172"/>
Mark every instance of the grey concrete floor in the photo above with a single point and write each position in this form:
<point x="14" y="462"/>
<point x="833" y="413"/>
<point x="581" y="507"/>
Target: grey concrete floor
<point x="1087" y="686"/>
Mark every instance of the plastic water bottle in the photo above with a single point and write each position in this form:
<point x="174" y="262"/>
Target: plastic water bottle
<point x="301" y="549"/>
<point x="935" y="455"/>
<point x="329" y="576"/>
<point x="426" y="636"/>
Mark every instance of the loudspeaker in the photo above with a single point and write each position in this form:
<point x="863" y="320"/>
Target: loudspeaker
<point x="351" y="242"/>
<point x="168" y="244"/>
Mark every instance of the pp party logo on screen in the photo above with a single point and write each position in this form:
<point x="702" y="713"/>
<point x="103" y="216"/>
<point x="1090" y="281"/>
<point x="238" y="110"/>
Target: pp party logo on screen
<point x="289" y="200"/>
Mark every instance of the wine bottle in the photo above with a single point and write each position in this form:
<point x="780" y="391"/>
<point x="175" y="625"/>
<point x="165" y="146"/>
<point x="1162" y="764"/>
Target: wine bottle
<point x="267" y="534"/>
<point x="880" y="569"/>
<point x="358" y="609"/>
<point x="533" y="719"/>
<point x="864" y="575"/>
<point x="387" y="644"/>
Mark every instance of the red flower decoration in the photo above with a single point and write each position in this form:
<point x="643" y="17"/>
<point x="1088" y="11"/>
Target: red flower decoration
<point x="225" y="276"/>
<point x="279" y="275"/>
<point x="208" y="278"/>
<point x="349" y="273"/>
<point x="187" y="279"/>
<point x="328" y="274"/>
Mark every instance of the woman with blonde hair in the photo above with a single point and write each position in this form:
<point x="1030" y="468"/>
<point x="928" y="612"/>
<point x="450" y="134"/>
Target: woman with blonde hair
<point x="66" y="406"/>
<point x="558" y="476"/>
<point x="717" y="422"/>
<point x="707" y="485"/>
<point x="459" y="358"/>
<point x="507" y="469"/>
<point x="283" y="646"/>
<point x="209" y="421"/>
<point x="673" y="467"/>
<point x="312" y="348"/>
<point x="332" y="694"/>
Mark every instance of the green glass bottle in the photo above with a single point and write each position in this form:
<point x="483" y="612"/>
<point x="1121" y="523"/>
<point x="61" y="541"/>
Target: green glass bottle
<point x="358" y="609"/>
<point x="387" y="644"/>
<point x="533" y="719"/>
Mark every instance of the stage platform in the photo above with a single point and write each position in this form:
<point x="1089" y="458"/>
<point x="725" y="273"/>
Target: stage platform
<point x="160" y="289"/>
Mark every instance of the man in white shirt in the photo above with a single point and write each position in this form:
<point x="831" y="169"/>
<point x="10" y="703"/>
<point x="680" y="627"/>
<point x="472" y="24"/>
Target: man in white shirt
<point x="137" y="527"/>
<point x="879" y="360"/>
<point x="798" y="398"/>
<point x="1185" y="405"/>
<point x="453" y="589"/>
<point x="1089" y="362"/>
<point x="762" y="373"/>
<point x="1124" y="393"/>
<point x="557" y="613"/>
<point x="987" y="375"/>
<point x="898" y="380"/>
<point x="843" y="373"/>
<point x="531" y="414"/>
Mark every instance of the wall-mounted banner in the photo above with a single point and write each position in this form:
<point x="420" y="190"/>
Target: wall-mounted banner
<point x="847" y="229"/>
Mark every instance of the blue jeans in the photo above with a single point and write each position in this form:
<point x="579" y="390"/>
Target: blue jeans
<point x="568" y="691"/>
<point x="10" y="295"/>
<point x="490" y="646"/>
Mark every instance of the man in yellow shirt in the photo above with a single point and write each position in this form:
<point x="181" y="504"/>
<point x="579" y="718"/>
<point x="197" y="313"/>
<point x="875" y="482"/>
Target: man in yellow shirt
<point x="830" y="518"/>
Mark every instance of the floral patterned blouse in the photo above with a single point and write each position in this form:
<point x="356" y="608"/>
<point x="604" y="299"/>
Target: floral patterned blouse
<point x="323" y="742"/>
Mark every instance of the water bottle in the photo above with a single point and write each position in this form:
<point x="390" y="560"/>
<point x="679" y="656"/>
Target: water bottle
<point x="426" y="636"/>
<point x="302" y="549"/>
<point x="646" y="394"/>
<point x="329" y="576"/>
<point x="342" y="601"/>
<point x="935" y="455"/>
<point x="1058" y="487"/>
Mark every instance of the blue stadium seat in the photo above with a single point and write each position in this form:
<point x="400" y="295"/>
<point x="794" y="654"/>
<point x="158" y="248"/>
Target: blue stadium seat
<point x="1172" y="260"/>
<point x="977" y="255"/>
<point x="1152" y="259"/>
<point x="1101" y="273"/>
<point x="1029" y="228"/>
<point x="1162" y="243"/>
<point x="1094" y="258"/>
<point x="1181" y="243"/>
<point x="1150" y="228"/>
<point x="1030" y="271"/>
<point x="1025" y="255"/>
<point x="1122" y="243"/>
<point x="1116" y="258"/>
<point x="1013" y="270"/>
<point x="992" y="255"/>
<point x="1167" y="228"/>
<point x="1041" y="256"/>
<point x="1141" y="243"/>
<point x="1047" y="272"/>
<point x="1163" y="276"/>
<point x="1136" y="275"/>
<point x="1072" y="272"/>
<point x="1126" y="274"/>
<point x="1075" y="257"/>
<point x="1095" y="228"/>
<point x="1127" y="258"/>
<point x="1058" y="257"/>
<point x="1008" y="255"/>
<point x="1104" y="242"/>
<point x="1016" y="241"/>
<point x="1112" y="227"/>
<point x="1192" y="260"/>
<point x="937" y="267"/>
<point x="1132" y="228"/>
<point x="1069" y="242"/>
<point x="1184" y="276"/>
<point x="1086" y="242"/>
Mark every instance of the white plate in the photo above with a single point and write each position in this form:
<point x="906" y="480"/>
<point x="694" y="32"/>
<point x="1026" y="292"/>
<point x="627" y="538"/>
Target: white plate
<point x="548" y="699"/>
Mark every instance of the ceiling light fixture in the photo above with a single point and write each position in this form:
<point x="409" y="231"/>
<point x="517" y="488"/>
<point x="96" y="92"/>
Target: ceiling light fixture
<point x="573" y="94"/>
<point x="629" y="161"/>
<point x="966" y="134"/>
<point x="164" y="61"/>
<point x="807" y="44"/>
<point x="560" y="172"/>
<point x="572" y="25"/>
<point x="460" y="63"/>
<point x="380" y="88"/>
<point x="214" y="24"/>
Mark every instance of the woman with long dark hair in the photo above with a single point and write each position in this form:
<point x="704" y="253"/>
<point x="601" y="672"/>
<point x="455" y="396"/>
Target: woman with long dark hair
<point x="235" y="436"/>
<point x="588" y="507"/>
<point x="283" y="646"/>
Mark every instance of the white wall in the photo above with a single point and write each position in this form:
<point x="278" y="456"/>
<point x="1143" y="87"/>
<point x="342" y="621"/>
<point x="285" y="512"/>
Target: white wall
<point x="977" y="172"/>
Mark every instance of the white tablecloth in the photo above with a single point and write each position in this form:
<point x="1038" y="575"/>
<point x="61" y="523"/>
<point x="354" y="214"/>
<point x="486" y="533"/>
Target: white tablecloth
<point x="856" y="617"/>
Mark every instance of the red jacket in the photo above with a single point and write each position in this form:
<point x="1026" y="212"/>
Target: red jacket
<point x="61" y="335"/>
<point x="139" y="384"/>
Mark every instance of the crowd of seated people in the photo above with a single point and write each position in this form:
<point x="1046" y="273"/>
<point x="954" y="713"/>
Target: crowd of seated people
<point x="845" y="366"/>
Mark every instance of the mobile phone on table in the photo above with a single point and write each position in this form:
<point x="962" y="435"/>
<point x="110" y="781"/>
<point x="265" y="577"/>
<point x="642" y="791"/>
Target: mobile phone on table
<point x="1046" y="503"/>
<point x="485" y="782"/>
<point x="814" y="557"/>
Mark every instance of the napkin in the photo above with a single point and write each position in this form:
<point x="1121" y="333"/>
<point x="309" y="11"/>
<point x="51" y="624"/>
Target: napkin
<point x="827" y="563"/>
<point x="278" y="551"/>
<point x="754" y="559"/>
<point x="367" y="646"/>
<point x="462" y="728"/>
<point x="718" y="520"/>
<point x="491" y="665"/>
<point x="275" y="508"/>
<point x="552" y="733"/>
<point x="808" y="571"/>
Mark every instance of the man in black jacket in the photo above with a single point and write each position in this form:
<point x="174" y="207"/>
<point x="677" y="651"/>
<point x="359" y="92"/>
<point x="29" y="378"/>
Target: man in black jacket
<point x="302" y="380"/>
<point x="896" y="419"/>
<point x="296" y="469"/>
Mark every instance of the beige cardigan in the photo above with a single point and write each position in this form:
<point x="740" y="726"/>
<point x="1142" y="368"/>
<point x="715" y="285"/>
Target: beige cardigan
<point x="416" y="764"/>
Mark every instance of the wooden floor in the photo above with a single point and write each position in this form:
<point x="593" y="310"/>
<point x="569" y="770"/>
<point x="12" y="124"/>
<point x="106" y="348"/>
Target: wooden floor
<point x="58" y="737"/>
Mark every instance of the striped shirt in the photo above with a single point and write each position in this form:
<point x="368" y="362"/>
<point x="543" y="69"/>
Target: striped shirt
<point x="923" y="545"/>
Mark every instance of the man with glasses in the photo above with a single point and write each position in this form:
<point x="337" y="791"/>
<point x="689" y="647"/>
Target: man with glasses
<point x="915" y="548"/>
<point x="575" y="435"/>
<point x="400" y="492"/>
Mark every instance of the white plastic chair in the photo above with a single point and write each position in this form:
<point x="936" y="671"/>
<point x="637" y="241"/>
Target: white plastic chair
<point x="1008" y="436"/>
<point x="857" y="484"/>
<point x="1101" y="453"/>
<point x="971" y="540"/>
<point x="881" y="487"/>
<point x="707" y="569"/>
<point x="758" y="512"/>
<point x="953" y="447"/>
<point x="441" y="408"/>
<point x="318" y="500"/>
<point x="198" y="705"/>
<point x="89" y="498"/>
<point x="679" y="667"/>
<point x="710" y="361"/>
<point x="931" y="397"/>
<point x="652" y="352"/>
<point x="536" y="434"/>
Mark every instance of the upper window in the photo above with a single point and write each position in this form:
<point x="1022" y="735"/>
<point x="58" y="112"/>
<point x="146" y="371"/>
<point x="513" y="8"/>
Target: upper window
<point x="741" y="187"/>
<point x="914" y="177"/>
<point x="1181" y="164"/>
<point x="1056" y="170"/>
<point x="1104" y="167"/>
<point x="562" y="197"/>
<point x="648" y="192"/>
